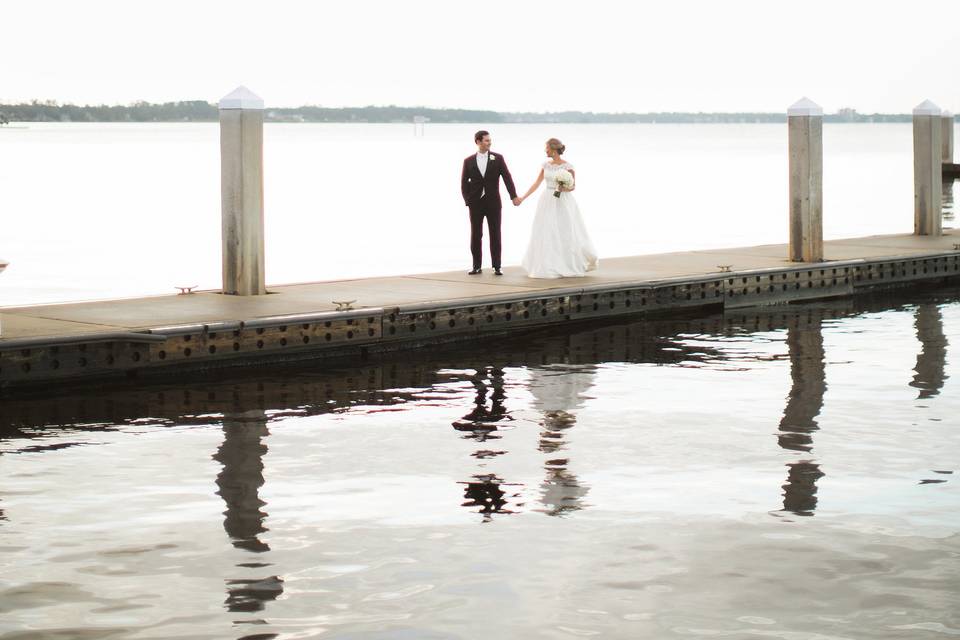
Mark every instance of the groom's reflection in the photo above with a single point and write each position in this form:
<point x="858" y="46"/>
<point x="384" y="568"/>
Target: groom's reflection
<point x="239" y="482"/>
<point x="799" y="423"/>
<point x="932" y="359"/>
<point x="482" y="420"/>
<point x="487" y="492"/>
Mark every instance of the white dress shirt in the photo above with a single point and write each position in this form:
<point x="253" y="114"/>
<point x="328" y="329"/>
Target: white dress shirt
<point x="482" y="159"/>
<point x="482" y="162"/>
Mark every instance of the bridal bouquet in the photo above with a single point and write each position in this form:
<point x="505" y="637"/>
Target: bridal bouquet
<point x="564" y="179"/>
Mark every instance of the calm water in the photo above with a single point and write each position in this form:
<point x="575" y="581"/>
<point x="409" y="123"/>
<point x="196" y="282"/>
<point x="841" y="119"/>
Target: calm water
<point x="786" y="473"/>
<point x="108" y="210"/>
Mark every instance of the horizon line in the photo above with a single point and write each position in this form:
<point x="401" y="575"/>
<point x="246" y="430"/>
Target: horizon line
<point x="55" y="103"/>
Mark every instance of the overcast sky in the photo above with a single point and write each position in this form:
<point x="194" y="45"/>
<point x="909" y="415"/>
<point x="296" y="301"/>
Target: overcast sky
<point x="519" y="55"/>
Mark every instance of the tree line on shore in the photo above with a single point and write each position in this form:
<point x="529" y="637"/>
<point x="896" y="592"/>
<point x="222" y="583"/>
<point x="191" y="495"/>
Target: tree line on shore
<point x="201" y="111"/>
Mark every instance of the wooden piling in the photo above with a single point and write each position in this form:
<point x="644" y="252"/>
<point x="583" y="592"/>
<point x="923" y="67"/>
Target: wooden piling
<point x="805" y="133"/>
<point x="241" y="193"/>
<point x="927" y="170"/>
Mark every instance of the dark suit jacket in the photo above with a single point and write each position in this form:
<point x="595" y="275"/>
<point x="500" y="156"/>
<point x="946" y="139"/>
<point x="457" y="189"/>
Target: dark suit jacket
<point x="472" y="183"/>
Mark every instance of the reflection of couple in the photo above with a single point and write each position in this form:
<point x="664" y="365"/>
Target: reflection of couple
<point x="558" y="392"/>
<point x="559" y="245"/>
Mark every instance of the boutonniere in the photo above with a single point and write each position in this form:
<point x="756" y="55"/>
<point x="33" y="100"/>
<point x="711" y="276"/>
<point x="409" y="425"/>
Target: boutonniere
<point x="492" y="157"/>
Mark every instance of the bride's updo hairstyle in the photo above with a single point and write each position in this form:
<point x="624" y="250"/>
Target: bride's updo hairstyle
<point x="556" y="145"/>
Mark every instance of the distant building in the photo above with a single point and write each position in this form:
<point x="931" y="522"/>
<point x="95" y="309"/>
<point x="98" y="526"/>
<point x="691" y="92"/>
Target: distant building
<point x="848" y="114"/>
<point x="275" y="116"/>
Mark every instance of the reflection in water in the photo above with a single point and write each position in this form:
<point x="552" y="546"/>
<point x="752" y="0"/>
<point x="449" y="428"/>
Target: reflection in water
<point x="486" y="492"/>
<point x="482" y="420"/>
<point x="561" y="364"/>
<point x="558" y="391"/>
<point x="949" y="203"/>
<point x="932" y="359"/>
<point x="800" y="490"/>
<point x="239" y="482"/>
<point x="558" y="370"/>
<point x="249" y="596"/>
<point x="808" y="385"/>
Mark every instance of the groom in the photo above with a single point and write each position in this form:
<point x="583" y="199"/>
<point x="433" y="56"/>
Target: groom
<point x="480" y="185"/>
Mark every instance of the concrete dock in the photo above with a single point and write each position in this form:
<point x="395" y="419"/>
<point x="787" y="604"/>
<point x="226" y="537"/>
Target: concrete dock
<point x="162" y="335"/>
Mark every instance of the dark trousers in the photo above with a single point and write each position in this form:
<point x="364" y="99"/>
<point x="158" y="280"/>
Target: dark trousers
<point x="491" y="212"/>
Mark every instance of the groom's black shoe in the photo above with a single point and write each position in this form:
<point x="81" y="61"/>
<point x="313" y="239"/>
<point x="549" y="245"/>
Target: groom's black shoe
<point x="497" y="272"/>
<point x="476" y="271"/>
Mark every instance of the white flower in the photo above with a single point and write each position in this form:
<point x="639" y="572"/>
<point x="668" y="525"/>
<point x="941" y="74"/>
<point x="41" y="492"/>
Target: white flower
<point x="493" y="157"/>
<point x="564" y="178"/>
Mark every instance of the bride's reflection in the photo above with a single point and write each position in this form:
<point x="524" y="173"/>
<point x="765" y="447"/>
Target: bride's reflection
<point x="799" y="423"/>
<point x="239" y="482"/>
<point x="558" y="392"/>
<point x="932" y="359"/>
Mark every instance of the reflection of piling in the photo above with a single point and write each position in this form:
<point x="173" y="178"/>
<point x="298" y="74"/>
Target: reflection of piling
<point x="418" y="125"/>
<point x="805" y="133"/>
<point x="248" y="596"/>
<point x="804" y="403"/>
<point x="932" y="359"/>
<point x="239" y="482"/>
<point x="927" y="170"/>
<point x="808" y="385"/>
<point x="241" y="193"/>
<point x="800" y="491"/>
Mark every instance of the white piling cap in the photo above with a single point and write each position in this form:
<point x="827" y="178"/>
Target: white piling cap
<point x="805" y="107"/>
<point x="241" y="98"/>
<point x="926" y="108"/>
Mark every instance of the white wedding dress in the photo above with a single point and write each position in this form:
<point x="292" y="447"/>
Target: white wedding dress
<point x="559" y="244"/>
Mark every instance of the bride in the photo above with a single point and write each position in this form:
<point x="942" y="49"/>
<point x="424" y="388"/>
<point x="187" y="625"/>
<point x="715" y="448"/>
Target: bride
<point x="559" y="244"/>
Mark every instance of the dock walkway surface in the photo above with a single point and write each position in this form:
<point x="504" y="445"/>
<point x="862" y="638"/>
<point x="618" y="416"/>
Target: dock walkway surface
<point x="43" y="343"/>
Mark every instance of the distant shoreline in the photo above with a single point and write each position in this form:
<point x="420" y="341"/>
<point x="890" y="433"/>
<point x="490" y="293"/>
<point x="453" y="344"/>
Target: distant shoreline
<point x="200" y="111"/>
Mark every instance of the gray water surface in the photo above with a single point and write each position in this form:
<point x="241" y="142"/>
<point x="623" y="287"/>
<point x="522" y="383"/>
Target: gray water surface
<point x="788" y="472"/>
